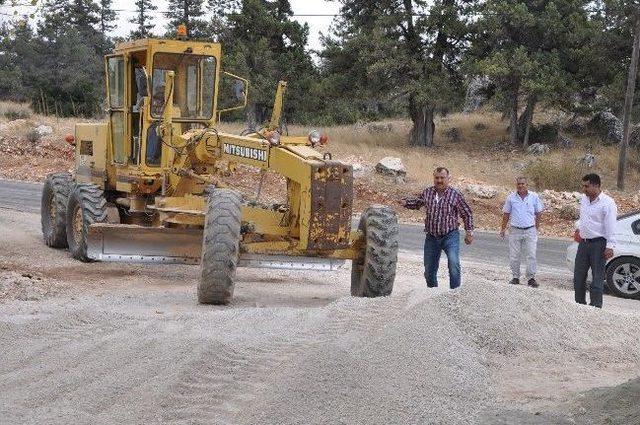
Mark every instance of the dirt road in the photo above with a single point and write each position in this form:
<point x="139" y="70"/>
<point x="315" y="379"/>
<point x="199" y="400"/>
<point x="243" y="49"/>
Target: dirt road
<point x="112" y="343"/>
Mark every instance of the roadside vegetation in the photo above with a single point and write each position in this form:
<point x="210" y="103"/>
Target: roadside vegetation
<point x="420" y="61"/>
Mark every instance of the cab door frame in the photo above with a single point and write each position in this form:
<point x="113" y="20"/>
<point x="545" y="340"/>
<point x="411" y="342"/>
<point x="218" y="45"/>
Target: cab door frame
<point x="119" y="149"/>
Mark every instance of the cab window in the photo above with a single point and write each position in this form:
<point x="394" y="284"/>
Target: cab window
<point x="194" y="84"/>
<point x="115" y="74"/>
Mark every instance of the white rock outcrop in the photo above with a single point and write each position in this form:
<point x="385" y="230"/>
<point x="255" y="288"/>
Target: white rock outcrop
<point x="391" y="166"/>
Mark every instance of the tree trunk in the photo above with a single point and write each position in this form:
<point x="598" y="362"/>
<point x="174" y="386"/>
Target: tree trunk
<point x="423" y="125"/>
<point x="251" y="117"/>
<point x="526" y="115"/>
<point x="628" y="105"/>
<point x="528" y="118"/>
<point x="513" y="119"/>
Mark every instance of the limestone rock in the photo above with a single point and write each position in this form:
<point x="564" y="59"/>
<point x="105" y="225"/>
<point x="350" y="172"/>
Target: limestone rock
<point x="608" y="126"/>
<point x="481" y="191"/>
<point x="477" y="93"/>
<point x="538" y="149"/>
<point x="361" y="170"/>
<point x="564" y="141"/>
<point x="391" y="166"/>
<point x="588" y="160"/>
<point x="43" y="130"/>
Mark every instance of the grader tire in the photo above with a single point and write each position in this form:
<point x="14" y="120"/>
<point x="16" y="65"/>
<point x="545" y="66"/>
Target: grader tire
<point x="87" y="205"/>
<point x="373" y="272"/>
<point x="53" y="209"/>
<point x="220" y="247"/>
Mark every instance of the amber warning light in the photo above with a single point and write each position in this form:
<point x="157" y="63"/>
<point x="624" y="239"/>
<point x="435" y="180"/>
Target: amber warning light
<point x="182" y="32"/>
<point x="69" y="138"/>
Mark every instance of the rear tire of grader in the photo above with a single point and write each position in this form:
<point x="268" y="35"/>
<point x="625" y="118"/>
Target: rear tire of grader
<point x="373" y="272"/>
<point x="87" y="205"/>
<point x="220" y="246"/>
<point x="53" y="209"/>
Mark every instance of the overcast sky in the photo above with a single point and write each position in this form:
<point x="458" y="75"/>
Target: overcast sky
<point x="317" y="24"/>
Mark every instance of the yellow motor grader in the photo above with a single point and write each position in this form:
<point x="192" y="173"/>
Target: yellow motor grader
<point x="148" y="184"/>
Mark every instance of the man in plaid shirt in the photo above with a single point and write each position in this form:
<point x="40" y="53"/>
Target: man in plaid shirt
<point x="443" y="205"/>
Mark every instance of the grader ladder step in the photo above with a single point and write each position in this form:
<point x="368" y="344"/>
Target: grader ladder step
<point x="138" y="244"/>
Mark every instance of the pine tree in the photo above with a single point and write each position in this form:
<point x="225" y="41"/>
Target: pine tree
<point x="533" y="49"/>
<point x="189" y="13"/>
<point x="405" y="51"/>
<point x="84" y="16"/>
<point x="220" y="11"/>
<point x="66" y="73"/>
<point x="107" y="17"/>
<point x="79" y="15"/>
<point x="143" y="19"/>
<point x="16" y="43"/>
<point x="265" y="43"/>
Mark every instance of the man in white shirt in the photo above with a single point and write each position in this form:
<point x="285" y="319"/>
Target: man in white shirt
<point x="596" y="236"/>
<point x="523" y="209"/>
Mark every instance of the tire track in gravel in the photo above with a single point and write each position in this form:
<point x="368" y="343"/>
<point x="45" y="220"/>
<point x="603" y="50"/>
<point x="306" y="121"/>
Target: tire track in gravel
<point x="222" y="381"/>
<point x="55" y="333"/>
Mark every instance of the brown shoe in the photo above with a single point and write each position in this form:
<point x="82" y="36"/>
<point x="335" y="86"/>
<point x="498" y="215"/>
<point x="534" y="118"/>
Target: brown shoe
<point x="532" y="282"/>
<point x="515" y="281"/>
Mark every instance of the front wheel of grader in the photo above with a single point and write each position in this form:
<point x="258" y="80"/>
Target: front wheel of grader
<point x="87" y="205"/>
<point x="373" y="272"/>
<point x="220" y="246"/>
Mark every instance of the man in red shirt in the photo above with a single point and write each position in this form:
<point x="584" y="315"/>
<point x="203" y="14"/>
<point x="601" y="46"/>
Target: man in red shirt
<point x="443" y="205"/>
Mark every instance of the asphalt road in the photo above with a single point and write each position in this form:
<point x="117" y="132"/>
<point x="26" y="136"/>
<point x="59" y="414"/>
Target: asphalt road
<point x="487" y="247"/>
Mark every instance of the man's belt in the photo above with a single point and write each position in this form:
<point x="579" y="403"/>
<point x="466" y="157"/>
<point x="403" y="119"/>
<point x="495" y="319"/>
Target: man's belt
<point x="523" y="228"/>
<point x="599" y="239"/>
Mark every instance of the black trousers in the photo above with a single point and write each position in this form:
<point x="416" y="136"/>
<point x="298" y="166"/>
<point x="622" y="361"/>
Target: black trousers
<point x="590" y="255"/>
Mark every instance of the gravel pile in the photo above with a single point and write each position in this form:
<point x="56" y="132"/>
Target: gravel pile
<point x="127" y="344"/>
<point x="616" y="405"/>
<point x="406" y="364"/>
<point x="518" y="321"/>
<point x="25" y="286"/>
<point x="442" y="358"/>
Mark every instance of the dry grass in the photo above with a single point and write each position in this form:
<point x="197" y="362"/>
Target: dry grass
<point x="481" y="154"/>
<point x="21" y="127"/>
<point x="14" y="111"/>
<point x="545" y="174"/>
<point x="368" y="143"/>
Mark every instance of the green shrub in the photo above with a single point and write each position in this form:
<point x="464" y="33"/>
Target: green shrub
<point x="17" y="113"/>
<point x="561" y="177"/>
<point x="33" y="136"/>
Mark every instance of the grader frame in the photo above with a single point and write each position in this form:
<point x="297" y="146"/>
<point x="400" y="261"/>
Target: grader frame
<point x="148" y="183"/>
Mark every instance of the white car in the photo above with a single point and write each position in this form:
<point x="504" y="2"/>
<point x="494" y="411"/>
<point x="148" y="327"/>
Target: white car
<point x="622" y="272"/>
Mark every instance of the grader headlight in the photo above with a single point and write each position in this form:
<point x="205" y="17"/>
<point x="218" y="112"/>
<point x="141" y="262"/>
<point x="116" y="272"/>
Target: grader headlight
<point x="314" y="137"/>
<point x="274" y="138"/>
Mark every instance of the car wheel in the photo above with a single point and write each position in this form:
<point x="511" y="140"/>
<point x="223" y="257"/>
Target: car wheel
<point x="623" y="277"/>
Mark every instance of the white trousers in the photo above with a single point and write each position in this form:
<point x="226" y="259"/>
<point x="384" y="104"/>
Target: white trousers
<point x="522" y="246"/>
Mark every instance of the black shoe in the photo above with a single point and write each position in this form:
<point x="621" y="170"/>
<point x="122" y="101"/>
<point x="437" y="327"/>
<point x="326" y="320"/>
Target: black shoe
<point x="532" y="282"/>
<point x="515" y="281"/>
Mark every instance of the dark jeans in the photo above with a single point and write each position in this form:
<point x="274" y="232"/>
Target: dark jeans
<point x="590" y="255"/>
<point x="433" y="246"/>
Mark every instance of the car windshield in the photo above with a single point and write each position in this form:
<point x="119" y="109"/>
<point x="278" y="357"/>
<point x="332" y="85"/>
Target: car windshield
<point x="193" y="84"/>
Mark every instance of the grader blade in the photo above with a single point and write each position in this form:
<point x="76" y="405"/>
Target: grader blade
<point x="131" y="243"/>
<point x="138" y="244"/>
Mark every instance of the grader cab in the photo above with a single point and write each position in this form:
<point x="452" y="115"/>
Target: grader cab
<point x="148" y="183"/>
